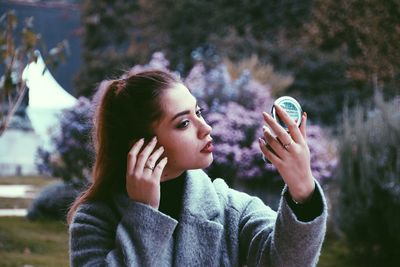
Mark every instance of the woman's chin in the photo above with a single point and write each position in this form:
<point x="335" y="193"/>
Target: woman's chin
<point x="208" y="162"/>
<point x="204" y="163"/>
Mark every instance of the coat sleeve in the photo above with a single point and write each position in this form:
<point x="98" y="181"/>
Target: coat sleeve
<point x="99" y="238"/>
<point x="280" y="239"/>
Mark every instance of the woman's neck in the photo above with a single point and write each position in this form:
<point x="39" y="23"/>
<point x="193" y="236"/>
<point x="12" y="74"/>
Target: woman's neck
<point x="169" y="174"/>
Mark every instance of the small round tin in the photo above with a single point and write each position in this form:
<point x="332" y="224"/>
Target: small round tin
<point x="292" y="108"/>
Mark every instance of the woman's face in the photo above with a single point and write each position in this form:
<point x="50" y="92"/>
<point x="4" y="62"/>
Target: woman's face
<point x="183" y="133"/>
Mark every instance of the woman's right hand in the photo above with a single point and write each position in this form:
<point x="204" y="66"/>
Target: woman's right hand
<point x="142" y="175"/>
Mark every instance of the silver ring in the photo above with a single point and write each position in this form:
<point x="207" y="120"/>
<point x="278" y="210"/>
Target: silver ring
<point x="148" y="167"/>
<point x="286" y="146"/>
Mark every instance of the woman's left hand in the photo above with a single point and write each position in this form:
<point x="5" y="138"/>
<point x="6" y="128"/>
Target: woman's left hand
<point x="290" y="154"/>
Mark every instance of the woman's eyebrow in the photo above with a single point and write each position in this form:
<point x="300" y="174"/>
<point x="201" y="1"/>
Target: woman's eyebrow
<point x="183" y="113"/>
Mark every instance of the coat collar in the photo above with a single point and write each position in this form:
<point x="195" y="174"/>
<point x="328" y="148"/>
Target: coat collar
<point x="199" y="232"/>
<point x="200" y="200"/>
<point x="198" y="235"/>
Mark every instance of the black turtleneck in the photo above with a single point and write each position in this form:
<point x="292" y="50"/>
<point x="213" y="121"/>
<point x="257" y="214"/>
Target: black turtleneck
<point x="171" y="196"/>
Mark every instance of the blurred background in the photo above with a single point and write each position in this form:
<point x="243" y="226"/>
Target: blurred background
<point x="339" y="59"/>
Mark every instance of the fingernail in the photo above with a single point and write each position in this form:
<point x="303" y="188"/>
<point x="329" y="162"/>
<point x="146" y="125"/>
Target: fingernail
<point x="305" y="113"/>
<point x="154" y="138"/>
<point x="266" y="115"/>
<point x="266" y="130"/>
<point x="262" y="142"/>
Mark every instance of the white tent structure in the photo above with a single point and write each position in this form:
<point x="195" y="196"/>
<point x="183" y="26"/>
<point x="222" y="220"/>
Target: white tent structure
<point x="46" y="99"/>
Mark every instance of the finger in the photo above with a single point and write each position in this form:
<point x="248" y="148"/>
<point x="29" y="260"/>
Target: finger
<point x="144" y="155"/>
<point x="284" y="138"/>
<point x="159" y="168"/>
<point x="273" y="143"/>
<point x="291" y="124"/>
<point x="132" y="155"/>
<point x="274" y="159"/>
<point x="303" y="126"/>
<point x="152" y="160"/>
<point x="279" y="131"/>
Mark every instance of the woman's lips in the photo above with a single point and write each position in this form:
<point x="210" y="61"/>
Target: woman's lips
<point x="208" y="148"/>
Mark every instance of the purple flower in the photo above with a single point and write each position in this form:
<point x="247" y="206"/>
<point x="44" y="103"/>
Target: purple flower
<point x="234" y="111"/>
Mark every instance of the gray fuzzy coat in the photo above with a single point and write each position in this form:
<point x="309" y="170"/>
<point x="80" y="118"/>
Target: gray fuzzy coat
<point x="218" y="227"/>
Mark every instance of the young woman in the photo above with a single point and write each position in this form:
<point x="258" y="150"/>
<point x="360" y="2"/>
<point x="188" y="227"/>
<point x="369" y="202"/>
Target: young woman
<point x="150" y="204"/>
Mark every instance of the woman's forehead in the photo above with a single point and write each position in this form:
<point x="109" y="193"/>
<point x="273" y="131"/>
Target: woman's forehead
<point x="177" y="99"/>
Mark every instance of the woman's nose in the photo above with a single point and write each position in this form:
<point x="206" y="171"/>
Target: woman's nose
<point x="204" y="129"/>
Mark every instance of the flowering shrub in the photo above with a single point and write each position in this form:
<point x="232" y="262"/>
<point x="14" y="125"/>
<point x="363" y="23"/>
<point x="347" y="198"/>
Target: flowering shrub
<point x="235" y="113"/>
<point x="73" y="154"/>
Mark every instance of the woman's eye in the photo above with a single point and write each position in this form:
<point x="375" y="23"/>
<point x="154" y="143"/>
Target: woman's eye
<point x="183" y="124"/>
<point x="199" y="112"/>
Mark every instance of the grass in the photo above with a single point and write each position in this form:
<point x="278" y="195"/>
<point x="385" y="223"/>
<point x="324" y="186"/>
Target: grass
<point x="27" y="243"/>
<point x="39" y="243"/>
<point x="37" y="181"/>
<point x="45" y="243"/>
<point x="14" y="203"/>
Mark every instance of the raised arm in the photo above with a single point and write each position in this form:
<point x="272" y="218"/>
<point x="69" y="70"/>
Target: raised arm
<point x="282" y="239"/>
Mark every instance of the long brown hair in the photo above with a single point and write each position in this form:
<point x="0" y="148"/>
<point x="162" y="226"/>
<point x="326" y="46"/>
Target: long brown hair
<point x="125" y="111"/>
